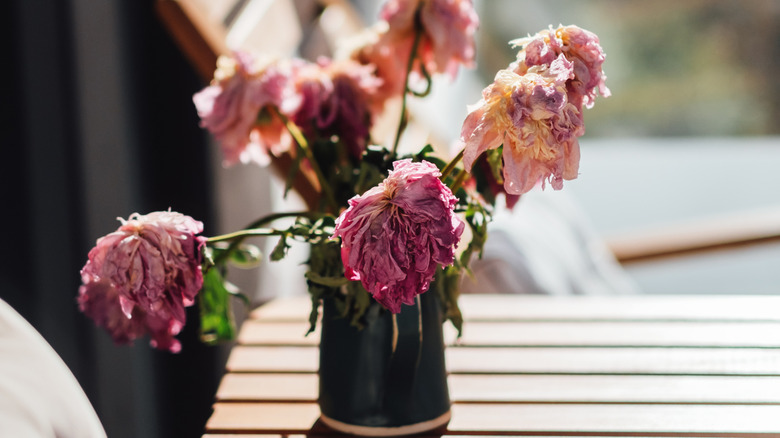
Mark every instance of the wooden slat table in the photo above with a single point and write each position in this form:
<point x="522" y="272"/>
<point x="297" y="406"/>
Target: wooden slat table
<point x="690" y="366"/>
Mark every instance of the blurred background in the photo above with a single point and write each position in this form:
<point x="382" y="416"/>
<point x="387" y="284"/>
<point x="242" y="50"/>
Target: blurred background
<point x="99" y="123"/>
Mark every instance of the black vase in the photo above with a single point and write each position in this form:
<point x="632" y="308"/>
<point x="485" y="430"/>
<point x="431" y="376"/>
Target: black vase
<point x="388" y="378"/>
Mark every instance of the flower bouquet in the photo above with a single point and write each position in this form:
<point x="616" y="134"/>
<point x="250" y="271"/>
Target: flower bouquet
<point x="385" y="229"/>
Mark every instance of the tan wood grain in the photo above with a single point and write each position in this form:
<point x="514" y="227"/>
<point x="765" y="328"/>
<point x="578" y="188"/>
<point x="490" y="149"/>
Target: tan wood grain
<point x="716" y="233"/>
<point x="268" y="387"/>
<point x="200" y="35"/>
<point x="614" y="361"/>
<point x="481" y="418"/>
<point x="263" y="417"/>
<point x="533" y="360"/>
<point x="622" y="419"/>
<point x="580" y="308"/>
<point x="301" y="387"/>
<point x="517" y="333"/>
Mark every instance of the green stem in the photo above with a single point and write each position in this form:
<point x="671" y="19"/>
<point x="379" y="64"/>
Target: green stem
<point x="451" y="165"/>
<point x="237" y="237"/>
<point x="241" y="234"/>
<point x="459" y="181"/>
<point x="304" y="145"/>
<point x="409" y="66"/>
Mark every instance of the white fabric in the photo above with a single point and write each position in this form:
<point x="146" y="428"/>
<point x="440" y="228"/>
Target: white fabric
<point x="546" y="246"/>
<point x="39" y="397"/>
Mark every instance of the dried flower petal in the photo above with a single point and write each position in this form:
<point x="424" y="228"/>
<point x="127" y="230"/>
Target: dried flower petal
<point x="140" y="278"/>
<point x="531" y="117"/>
<point x="448" y="26"/>
<point x="230" y="108"/>
<point x="580" y="47"/>
<point x="336" y="101"/>
<point x="397" y="233"/>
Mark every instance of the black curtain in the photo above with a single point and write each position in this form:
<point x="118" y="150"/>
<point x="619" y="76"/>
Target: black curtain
<point x="54" y="122"/>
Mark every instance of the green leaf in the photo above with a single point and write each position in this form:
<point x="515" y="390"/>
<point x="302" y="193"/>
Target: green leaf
<point x="293" y="172"/>
<point x="477" y="218"/>
<point x="316" y="294"/>
<point x="448" y="287"/>
<point x="246" y="256"/>
<point x="326" y="281"/>
<point x="280" y="250"/>
<point x="360" y="300"/>
<point x="495" y="157"/>
<point x="244" y="299"/>
<point x="427" y="149"/>
<point x="216" y="315"/>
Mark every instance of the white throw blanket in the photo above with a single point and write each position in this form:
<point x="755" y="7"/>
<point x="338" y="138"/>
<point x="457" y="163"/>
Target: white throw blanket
<point x="39" y="396"/>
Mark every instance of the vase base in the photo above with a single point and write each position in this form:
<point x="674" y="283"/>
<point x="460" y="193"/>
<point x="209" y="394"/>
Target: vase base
<point x="409" y="429"/>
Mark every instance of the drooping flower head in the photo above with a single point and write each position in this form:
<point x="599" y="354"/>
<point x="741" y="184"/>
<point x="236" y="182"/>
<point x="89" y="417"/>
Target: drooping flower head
<point x="529" y="115"/>
<point x="232" y="108"/>
<point x="335" y="101"/>
<point x="448" y="29"/>
<point x="140" y="278"/>
<point x="395" y="235"/>
<point x="580" y="47"/>
<point x="375" y="47"/>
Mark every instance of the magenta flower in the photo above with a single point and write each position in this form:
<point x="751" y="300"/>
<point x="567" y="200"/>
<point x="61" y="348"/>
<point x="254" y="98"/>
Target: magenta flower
<point x="140" y="278"/>
<point x="336" y="101"/>
<point x="580" y="47"/>
<point x="532" y="118"/>
<point x="448" y="32"/>
<point x="395" y="235"/>
<point x="230" y="108"/>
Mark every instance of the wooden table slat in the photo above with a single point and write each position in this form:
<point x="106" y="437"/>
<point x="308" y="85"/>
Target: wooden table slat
<point x="476" y="418"/>
<point x="663" y="361"/>
<point x="754" y="308"/>
<point x="693" y="366"/>
<point x="519" y="334"/>
<point x="535" y="388"/>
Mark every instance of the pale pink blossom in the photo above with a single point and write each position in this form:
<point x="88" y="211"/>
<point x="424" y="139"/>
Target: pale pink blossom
<point x="448" y="29"/>
<point x="580" y="47"/>
<point x="395" y="235"/>
<point x="532" y="118"/>
<point x="235" y="108"/>
<point x="335" y="100"/>
<point x="376" y="47"/>
<point x="140" y="278"/>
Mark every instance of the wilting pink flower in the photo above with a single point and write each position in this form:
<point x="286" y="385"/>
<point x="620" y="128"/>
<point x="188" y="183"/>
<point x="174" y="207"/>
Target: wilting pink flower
<point x="230" y="108"/>
<point x="375" y="47"/>
<point x="580" y="47"/>
<point x="448" y="28"/>
<point x="531" y="116"/>
<point x="335" y="101"/>
<point x="140" y="278"/>
<point x="395" y="235"/>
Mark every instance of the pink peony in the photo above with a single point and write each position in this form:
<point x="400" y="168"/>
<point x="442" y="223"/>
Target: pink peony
<point x="140" y="278"/>
<point x="336" y="101"/>
<point x="531" y="116"/>
<point x="580" y="47"/>
<point x="375" y="47"/>
<point x="448" y="32"/>
<point x="230" y="108"/>
<point x="394" y="236"/>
